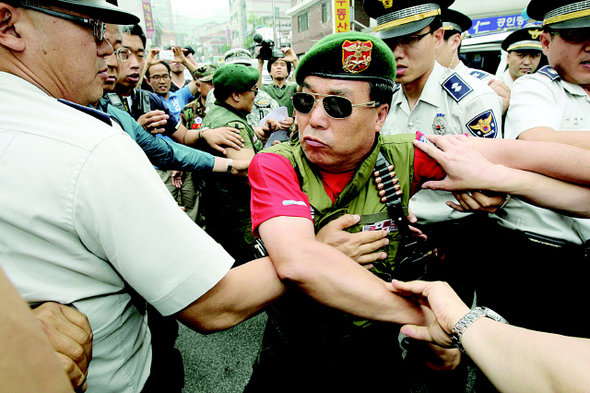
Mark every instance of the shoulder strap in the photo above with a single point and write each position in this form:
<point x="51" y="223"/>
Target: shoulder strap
<point x="456" y="87"/>
<point x="550" y="73"/>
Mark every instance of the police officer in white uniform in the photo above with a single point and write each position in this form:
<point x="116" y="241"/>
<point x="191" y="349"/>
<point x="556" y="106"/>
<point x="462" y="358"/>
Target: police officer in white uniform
<point x="524" y="53"/>
<point x="434" y="100"/>
<point x="541" y="247"/>
<point x="455" y="26"/>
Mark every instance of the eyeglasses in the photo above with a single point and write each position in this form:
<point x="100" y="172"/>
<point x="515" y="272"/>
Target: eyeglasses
<point x="407" y="42"/>
<point x="122" y="54"/>
<point x="255" y="91"/>
<point x="98" y="27"/>
<point x="157" y="78"/>
<point x="336" y="107"/>
<point x="573" y="36"/>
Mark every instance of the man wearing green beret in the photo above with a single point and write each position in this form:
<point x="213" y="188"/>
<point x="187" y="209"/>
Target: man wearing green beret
<point x="226" y="199"/>
<point x="302" y="188"/>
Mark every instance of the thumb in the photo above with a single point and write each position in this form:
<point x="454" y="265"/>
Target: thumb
<point x="345" y="221"/>
<point x="416" y="332"/>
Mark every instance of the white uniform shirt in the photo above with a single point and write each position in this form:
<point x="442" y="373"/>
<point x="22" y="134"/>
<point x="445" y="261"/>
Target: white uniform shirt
<point x="483" y="76"/>
<point x="449" y="104"/>
<point x="543" y="99"/>
<point x="84" y="218"/>
<point x="506" y="78"/>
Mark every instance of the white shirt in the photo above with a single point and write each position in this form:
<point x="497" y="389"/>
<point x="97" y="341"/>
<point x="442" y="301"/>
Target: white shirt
<point x="84" y="218"/>
<point x="543" y="99"/>
<point x="454" y="110"/>
<point x="507" y="78"/>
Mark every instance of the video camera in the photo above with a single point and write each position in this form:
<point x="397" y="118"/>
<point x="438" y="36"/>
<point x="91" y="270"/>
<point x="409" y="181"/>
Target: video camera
<point x="267" y="48"/>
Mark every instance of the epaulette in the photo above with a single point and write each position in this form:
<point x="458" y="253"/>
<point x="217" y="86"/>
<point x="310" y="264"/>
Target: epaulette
<point x="479" y="74"/>
<point x="456" y="87"/>
<point x="396" y="87"/>
<point x="89" y="111"/>
<point x="549" y="72"/>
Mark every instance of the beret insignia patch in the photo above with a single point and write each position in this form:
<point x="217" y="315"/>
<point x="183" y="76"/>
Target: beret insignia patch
<point x="356" y="56"/>
<point x="484" y="125"/>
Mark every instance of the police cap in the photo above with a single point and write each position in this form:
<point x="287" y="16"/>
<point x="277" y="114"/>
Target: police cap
<point x="235" y="77"/>
<point x="560" y="15"/>
<point x="398" y="18"/>
<point x="455" y="21"/>
<point x="106" y="11"/>
<point x="523" y="39"/>
<point x="354" y="55"/>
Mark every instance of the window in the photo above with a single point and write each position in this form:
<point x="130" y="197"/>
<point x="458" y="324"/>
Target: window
<point x="303" y="22"/>
<point x="325" y="12"/>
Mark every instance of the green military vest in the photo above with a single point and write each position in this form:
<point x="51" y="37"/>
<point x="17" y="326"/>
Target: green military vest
<point x="298" y="325"/>
<point x="226" y="198"/>
<point x="360" y="195"/>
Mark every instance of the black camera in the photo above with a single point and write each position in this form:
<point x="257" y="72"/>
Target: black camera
<point x="267" y="48"/>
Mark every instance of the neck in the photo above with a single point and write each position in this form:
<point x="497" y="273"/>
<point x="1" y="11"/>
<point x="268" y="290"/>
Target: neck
<point x="123" y="90"/>
<point x="413" y="90"/>
<point x="279" y="82"/>
<point x="178" y="79"/>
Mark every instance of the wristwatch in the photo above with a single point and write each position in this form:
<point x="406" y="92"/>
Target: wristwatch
<point x="229" y="165"/>
<point x="472" y="316"/>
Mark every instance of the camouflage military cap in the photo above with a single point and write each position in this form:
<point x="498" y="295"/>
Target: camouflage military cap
<point x="237" y="56"/>
<point x="235" y="77"/>
<point x="357" y="56"/>
<point x="566" y="14"/>
<point x="205" y="73"/>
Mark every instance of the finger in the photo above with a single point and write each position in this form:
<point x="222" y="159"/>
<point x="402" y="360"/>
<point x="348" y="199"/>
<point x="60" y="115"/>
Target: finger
<point x="345" y="221"/>
<point x="66" y="346"/>
<point x="417" y="332"/>
<point x="234" y="130"/>
<point x="220" y="149"/>
<point x="370" y="258"/>
<point x="455" y="206"/>
<point x="75" y="374"/>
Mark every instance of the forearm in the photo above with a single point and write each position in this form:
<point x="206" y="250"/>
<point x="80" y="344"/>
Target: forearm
<point x="243" y="292"/>
<point x="172" y="155"/>
<point x="520" y="360"/>
<point x="557" y="160"/>
<point x="27" y="361"/>
<point x="544" y="134"/>
<point x="330" y="277"/>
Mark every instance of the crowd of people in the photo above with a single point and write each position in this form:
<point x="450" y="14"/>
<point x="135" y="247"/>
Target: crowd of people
<point x="395" y="219"/>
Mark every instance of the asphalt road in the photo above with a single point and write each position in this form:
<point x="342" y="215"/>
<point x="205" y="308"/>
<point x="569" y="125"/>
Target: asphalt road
<point x="220" y="362"/>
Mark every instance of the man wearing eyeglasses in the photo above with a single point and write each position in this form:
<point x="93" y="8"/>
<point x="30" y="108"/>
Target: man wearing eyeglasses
<point x="92" y="226"/>
<point x="550" y="105"/>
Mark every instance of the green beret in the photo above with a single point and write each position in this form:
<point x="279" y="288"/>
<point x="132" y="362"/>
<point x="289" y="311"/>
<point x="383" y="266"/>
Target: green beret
<point x="235" y="77"/>
<point x="357" y="56"/>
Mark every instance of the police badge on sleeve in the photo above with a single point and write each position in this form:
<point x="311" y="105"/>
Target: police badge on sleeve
<point x="484" y="125"/>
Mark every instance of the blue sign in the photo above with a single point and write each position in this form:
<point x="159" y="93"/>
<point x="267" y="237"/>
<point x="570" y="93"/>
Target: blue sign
<point x="497" y="23"/>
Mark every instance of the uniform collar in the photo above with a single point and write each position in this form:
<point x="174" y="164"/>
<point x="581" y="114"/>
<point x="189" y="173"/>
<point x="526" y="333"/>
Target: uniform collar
<point x="431" y="93"/>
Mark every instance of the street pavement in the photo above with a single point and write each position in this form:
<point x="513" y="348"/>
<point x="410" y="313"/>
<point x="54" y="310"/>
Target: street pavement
<point x="220" y="362"/>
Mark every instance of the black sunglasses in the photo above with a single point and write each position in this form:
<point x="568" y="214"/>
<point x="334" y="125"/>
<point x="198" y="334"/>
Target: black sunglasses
<point x="336" y="107"/>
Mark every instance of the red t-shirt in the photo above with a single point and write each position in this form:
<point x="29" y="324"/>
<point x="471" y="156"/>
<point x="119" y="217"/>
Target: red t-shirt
<point x="276" y="190"/>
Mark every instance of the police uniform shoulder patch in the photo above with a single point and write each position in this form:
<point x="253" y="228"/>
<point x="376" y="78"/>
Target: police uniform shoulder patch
<point x="484" y="125"/>
<point x="456" y="87"/>
<point x="480" y="74"/>
<point x="89" y="111"/>
<point x="549" y="72"/>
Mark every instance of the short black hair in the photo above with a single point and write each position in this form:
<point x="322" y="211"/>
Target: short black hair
<point x="147" y="72"/>
<point x="135" y="30"/>
<point x="381" y="92"/>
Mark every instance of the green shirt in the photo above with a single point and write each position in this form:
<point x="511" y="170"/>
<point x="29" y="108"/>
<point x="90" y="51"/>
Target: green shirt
<point x="282" y="94"/>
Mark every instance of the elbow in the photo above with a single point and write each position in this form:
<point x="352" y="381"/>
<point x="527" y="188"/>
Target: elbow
<point x="211" y="322"/>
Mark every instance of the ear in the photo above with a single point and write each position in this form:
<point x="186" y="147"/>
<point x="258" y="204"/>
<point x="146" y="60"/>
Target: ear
<point x="545" y="39"/>
<point x="438" y="35"/>
<point x="236" y="96"/>
<point x="9" y="36"/>
<point x="456" y="41"/>
<point x="381" y="116"/>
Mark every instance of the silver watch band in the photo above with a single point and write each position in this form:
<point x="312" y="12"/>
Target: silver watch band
<point x="472" y="316"/>
<point x="230" y="163"/>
